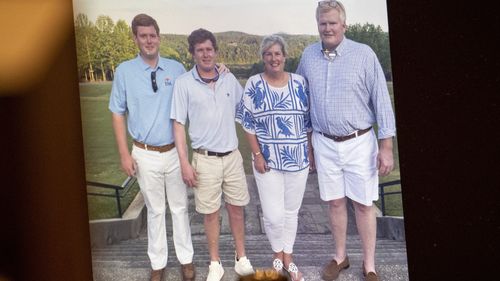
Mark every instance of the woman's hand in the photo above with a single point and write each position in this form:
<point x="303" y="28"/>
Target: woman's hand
<point x="260" y="164"/>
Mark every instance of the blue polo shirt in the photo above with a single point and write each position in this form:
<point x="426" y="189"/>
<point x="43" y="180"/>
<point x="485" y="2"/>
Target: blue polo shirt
<point x="148" y="112"/>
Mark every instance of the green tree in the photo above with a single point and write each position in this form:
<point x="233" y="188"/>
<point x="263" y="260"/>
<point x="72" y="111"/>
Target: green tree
<point x="105" y="50"/>
<point x="123" y="47"/>
<point x="85" y="47"/>
<point x="169" y="52"/>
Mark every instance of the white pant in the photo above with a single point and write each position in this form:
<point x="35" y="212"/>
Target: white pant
<point x="281" y="195"/>
<point x="159" y="176"/>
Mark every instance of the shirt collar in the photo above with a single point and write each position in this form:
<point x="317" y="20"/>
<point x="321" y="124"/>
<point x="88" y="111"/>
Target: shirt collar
<point x="197" y="77"/>
<point x="145" y="66"/>
<point x="340" y="48"/>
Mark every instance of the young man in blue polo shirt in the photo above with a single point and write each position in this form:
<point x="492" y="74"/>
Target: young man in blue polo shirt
<point x="140" y="101"/>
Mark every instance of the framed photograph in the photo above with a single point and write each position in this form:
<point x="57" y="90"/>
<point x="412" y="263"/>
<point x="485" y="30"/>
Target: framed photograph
<point x="116" y="209"/>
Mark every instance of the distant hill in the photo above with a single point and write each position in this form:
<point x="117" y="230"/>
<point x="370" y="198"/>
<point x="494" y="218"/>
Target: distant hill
<point x="235" y="48"/>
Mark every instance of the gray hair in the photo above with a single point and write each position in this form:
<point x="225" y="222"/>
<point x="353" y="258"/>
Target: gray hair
<point x="270" y="40"/>
<point x="328" y="5"/>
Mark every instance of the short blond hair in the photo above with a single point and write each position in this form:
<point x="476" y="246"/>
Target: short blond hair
<point x="270" y="40"/>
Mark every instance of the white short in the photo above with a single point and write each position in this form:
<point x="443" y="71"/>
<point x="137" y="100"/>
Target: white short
<point x="347" y="168"/>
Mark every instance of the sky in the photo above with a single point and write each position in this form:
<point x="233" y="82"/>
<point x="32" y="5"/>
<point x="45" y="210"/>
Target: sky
<point x="259" y="17"/>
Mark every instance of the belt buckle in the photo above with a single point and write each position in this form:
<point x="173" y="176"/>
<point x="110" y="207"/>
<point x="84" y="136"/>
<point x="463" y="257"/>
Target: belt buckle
<point x="202" y="151"/>
<point x="145" y="146"/>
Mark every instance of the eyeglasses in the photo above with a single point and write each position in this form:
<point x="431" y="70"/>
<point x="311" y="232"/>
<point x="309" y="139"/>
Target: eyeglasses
<point x="328" y="3"/>
<point x="153" y="81"/>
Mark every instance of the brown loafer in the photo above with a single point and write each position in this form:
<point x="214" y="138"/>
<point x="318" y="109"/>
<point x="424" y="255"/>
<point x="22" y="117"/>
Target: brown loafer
<point x="331" y="271"/>
<point x="188" y="272"/>
<point x="370" y="276"/>
<point x="157" y="275"/>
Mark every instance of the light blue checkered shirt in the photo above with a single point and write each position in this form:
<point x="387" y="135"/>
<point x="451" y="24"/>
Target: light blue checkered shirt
<point x="349" y="93"/>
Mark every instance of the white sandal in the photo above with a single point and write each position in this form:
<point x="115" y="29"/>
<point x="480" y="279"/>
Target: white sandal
<point x="292" y="269"/>
<point x="278" y="265"/>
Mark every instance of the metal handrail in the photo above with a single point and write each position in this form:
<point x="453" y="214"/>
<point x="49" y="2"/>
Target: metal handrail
<point x="382" y="192"/>
<point x="124" y="186"/>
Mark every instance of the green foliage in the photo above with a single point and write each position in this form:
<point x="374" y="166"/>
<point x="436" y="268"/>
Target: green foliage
<point x="377" y="39"/>
<point x="123" y="44"/>
<point x="85" y="46"/>
<point x="100" y="47"/>
<point x="178" y="45"/>
<point x="103" y="45"/>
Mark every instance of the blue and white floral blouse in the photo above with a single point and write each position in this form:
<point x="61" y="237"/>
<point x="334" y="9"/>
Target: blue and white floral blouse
<point x="279" y="117"/>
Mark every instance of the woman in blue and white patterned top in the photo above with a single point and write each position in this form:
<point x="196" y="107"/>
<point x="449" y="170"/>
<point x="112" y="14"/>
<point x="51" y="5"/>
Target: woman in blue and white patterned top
<point x="274" y="112"/>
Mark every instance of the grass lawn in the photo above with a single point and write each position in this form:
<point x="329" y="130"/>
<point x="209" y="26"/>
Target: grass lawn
<point x="102" y="163"/>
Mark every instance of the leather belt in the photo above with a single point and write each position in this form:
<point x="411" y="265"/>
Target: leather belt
<point x="348" y="137"/>
<point x="162" y="148"/>
<point x="211" y="153"/>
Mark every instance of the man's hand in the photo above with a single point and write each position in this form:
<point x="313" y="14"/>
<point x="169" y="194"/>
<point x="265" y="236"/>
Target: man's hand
<point x="128" y="165"/>
<point x="385" y="159"/>
<point x="260" y="164"/>
<point x="312" y="163"/>
<point x="189" y="175"/>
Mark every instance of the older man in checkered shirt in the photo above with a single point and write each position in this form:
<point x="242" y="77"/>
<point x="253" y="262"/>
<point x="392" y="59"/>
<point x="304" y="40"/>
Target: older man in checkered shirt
<point x="348" y="93"/>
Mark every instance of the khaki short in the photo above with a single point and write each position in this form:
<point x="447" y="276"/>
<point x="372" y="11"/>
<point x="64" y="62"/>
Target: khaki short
<point x="217" y="175"/>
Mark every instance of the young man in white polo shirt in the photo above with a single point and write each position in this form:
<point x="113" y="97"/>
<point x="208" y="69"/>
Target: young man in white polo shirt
<point x="207" y="100"/>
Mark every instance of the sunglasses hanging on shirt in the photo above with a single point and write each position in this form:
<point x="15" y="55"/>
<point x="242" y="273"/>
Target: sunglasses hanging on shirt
<point x="153" y="81"/>
<point x="328" y="54"/>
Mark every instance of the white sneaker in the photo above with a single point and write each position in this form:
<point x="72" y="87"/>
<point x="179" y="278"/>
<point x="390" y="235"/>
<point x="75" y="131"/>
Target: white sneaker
<point x="215" y="271"/>
<point x="242" y="266"/>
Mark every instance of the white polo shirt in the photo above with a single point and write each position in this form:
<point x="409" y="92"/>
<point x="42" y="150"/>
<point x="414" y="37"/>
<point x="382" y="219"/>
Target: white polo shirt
<point x="209" y="112"/>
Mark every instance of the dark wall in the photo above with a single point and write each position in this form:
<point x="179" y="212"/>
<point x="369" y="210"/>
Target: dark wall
<point x="44" y="232"/>
<point x="446" y="89"/>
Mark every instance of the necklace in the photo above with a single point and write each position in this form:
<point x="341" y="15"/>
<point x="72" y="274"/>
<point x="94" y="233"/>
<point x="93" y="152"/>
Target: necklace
<point x="209" y="80"/>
